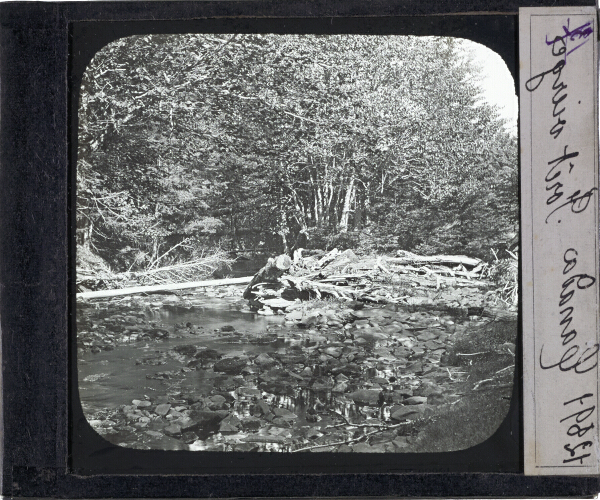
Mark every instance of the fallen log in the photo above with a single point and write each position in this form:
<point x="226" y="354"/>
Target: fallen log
<point x="435" y="259"/>
<point x="162" y="288"/>
<point x="318" y="288"/>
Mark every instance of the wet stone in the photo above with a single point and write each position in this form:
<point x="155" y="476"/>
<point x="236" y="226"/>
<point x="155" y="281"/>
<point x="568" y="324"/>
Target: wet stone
<point x="216" y="403"/>
<point x="363" y="448"/>
<point x="277" y="387"/>
<point x="400" y="443"/>
<point x="366" y="396"/>
<point x="415" y="400"/>
<point x="162" y="409"/>
<point x="348" y="369"/>
<point x="356" y="305"/>
<point x="281" y="422"/>
<point x="433" y="345"/>
<point x="295" y="315"/>
<point x="251" y="424"/>
<point x="186" y="350"/>
<point x="202" y="418"/>
<point x="232" y="366"/>
<point x="261" y="408"/>
<point x="340" y="387"/>
<point x="230" y="424"/>
<point x="264" y="360"/>
<point x="249" y="392"/>
<point x="246" y="447"/>
<point x="322" y="384"/>
<point x="172" y="430"/>
<point x="284" y="413"/>
<point x="290" y="359"/>
<point x="407" y="412"/>
<point x="336" y="352"/>
<point x="208" y="354"/>
<point x="429" y="335"/>
<point x="226" y="384"/>
<point x="189" y="437"/>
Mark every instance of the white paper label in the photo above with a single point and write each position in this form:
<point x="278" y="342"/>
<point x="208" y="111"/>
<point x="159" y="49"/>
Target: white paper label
<point x="559" y="181"/>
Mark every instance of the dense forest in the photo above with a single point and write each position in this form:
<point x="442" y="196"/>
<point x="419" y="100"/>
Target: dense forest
<point x="190" y="143"/>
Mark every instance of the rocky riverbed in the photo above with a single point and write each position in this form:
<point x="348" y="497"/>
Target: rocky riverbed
<point x="199" y="371"/>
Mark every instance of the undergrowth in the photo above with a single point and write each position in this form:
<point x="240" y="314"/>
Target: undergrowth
<point x="478" y="414"/>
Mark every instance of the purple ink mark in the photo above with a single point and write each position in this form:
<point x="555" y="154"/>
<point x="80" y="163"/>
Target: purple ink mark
<point x="579" y="33"/>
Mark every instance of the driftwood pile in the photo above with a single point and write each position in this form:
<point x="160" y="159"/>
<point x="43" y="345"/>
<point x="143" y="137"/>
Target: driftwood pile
<point x="95" y="278"/>
<point x="382" y="279"/>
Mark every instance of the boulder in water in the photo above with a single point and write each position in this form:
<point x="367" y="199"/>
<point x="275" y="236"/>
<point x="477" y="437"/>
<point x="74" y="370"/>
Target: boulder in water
<point x="233" y="366"/>
<point x="366" y="396"/>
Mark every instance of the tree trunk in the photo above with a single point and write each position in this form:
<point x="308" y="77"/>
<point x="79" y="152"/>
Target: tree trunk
<point x="283" y="228"/>
<point x="358" y="214"/>
<point x="162" y="288"/>
<point x="346" y="209"/>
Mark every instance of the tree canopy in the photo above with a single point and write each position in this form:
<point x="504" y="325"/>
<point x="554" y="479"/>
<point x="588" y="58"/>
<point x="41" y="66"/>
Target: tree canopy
<point x="372" y="142"/>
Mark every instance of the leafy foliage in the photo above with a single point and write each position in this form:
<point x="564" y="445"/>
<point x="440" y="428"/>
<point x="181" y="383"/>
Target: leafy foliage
<point x="190" y="141"/>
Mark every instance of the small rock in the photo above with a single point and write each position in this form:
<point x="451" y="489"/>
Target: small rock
<point x="162" y="409"/>
<point x="208" y="354"/>
<point x="186" y="350"/>
<point x="427" y="336"/>
<point x="154" y="434"/>
<point x="230" y="424"/>
<point x="432" y="345"/>
<point x="264" y="360"/>
<point x="227" y="328"/>
<point x="335" y="352"/>
<point x="217" y="399"/>
<point x="308" y="320"/>
<point x="313" y="434"/>
<point x="356" y="305"/>
<point x="348" y="369"/>
<point x="400" y="443"/>
<point x="172" y="430"/>
<point x="281" y="422"/>
<point x="415" y="400"/>
<point x="407" y="413"/>
<point x="340" y="387"/>
<point x="249" y="392"/>
<point x="362" y="448"/>
<point x="246" y="447"/>
<point x="232" y="366"/>
<point x="266" y="311"/>
<point x="295" y="315"/>
<point x="216" y="403"/>
<point x="284" y="413"/>
<point x="251" y="424"/>
<point x="202" y="418"/>
<point x="261" y="408"/>
<point x="366" y="396"/>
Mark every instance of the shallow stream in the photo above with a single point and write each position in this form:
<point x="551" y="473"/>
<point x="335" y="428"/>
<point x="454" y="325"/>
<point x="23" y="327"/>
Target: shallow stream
<point x="154" y="371"/>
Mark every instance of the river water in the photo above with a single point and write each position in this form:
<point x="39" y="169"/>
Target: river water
<point x="140" y="357"/>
